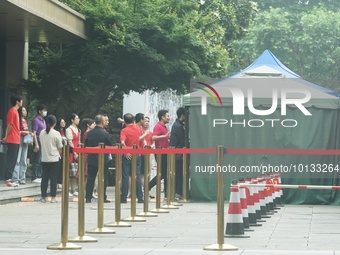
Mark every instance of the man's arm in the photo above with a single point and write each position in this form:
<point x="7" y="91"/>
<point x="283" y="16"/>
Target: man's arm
<point x="158" y="137"/>
<point x="8" y="130"/>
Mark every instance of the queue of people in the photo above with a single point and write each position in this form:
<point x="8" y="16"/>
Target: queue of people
<point x="49" y="135"/>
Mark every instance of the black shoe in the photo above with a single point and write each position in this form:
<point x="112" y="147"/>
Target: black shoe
<point x="88" y="201"/>
<point x="107" y="201"/>
<point x="151" y="197"/>
<point x="123" y="201"/>
<point x="140" y="201"/>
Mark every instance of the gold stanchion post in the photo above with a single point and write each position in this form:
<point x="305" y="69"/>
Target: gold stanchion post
<point x="64" y="245"/>
<point x="146" y="212"/>
<point x="100" y="218"/>
<point x="133" y="217"/>
<point x="185" y="181"/>
<point x="118" y="222"/>
<point x="158" y="208"/>
<point x="173" y="171"/>
<point x="168" y="204"/>
<point x="220" y="246"/>
<point x="81" y="205"/>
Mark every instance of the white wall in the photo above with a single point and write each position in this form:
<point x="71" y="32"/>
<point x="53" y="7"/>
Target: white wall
<point x="150" y="103"/>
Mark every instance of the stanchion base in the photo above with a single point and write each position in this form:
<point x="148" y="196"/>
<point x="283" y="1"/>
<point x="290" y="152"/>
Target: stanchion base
<point x="255" y="225"/>
<point x="236" y="236"/>
<point x="117" y="224"/>
<point x="134" y="219"/>
<point x="220" y="247"/>
<point x="248" y="230"/>
<point x="176" y="204"/>
<point x="82" y="239"/>
<point x="61" y="246"/>
<point x="147" y="214"/>
<point x="101" y="231"/>
<point x="159" y="210"/>
<point x="184" y="201"/>
<point x="169" y="207"/>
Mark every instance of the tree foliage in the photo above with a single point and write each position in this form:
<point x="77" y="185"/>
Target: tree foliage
<point x="307" y="42"/>
<point x="136" y="45"/>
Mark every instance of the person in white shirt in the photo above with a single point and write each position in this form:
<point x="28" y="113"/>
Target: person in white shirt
<point x="51" y="145"/>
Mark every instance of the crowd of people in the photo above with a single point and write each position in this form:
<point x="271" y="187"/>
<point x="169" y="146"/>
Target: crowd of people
<point x="49" y="134"/>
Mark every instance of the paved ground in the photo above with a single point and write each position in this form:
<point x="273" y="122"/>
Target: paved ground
<point x="28" y="227"/>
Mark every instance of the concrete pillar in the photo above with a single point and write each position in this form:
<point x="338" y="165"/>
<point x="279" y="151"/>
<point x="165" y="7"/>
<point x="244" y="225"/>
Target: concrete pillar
<point x="13" y="69"/>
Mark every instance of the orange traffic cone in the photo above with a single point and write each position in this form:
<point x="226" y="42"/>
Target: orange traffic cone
<point x="262" y="196"/>
<point x="234" y="226"/>
<point x="257" y="201"/>
<point x="244" y="206"/>
<point x="253" y="222"/>
<point x="278" y="191"/>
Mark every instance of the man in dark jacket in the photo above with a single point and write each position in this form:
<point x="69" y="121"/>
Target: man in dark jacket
<point x="94" y="137"/>
<point x="177" y="140"/>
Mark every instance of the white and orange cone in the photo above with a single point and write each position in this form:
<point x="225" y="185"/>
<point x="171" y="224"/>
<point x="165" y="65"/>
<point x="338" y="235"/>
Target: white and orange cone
<point x="234" y="225"/>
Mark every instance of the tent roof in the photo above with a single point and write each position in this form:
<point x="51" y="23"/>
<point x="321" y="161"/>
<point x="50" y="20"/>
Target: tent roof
<point x="267" y="66"/>
<point x="268" y="60"/>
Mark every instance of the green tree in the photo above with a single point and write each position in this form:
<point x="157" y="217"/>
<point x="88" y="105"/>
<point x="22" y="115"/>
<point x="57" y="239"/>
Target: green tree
<point x="135" y="45"/>
<point x="307" y="43"/>
<point x="301" y="5"/>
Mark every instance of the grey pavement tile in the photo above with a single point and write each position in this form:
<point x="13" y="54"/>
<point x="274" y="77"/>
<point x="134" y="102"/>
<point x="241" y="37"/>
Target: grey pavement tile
<point x="295" y="229"/>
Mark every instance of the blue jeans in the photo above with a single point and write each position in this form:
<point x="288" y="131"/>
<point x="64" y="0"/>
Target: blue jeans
<point x="19" y="173"/>
<point x="36" y="168"/>
<point x="126" y="172"/>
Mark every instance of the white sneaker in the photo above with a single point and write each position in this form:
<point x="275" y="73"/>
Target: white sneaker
<point x="75" y="193"/>
<point x="53" y="200"/>
<point x="70" y="194"/>
<point x="38" y="180"/>
<point x="60" y="186"/>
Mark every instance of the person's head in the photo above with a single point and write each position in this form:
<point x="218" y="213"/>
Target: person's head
<point x="99" y="120"/>
<point x="86" y="124"/>
<point x="51" y="121"/>
<point x="139" y="119"/>
<point x="16" y="101"/>
<point x="181" y="113"/>
<point x="22" y="112"/>
<point x="42" y="110"/>
<point x="163" y="116"/>
<point x="61" y="123"/>
<point x="74" y="119"/>
<point x="146" y="123"/>
<point x="105" y="121"/>
<point x="128" y="118"/>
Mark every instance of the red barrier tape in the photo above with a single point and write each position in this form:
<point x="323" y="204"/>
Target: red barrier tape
<point x="282" y="151"/>
<point x="130" y="150"/>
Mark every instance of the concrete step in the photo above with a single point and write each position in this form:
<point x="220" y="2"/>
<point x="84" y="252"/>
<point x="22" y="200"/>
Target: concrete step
<point x="14" y="194"/>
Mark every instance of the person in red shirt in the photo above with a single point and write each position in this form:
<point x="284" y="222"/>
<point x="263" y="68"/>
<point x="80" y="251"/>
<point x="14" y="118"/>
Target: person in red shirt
<point x="12" y="139"/>
<point x="161" y="137"/>
<point x="130" y="135"/>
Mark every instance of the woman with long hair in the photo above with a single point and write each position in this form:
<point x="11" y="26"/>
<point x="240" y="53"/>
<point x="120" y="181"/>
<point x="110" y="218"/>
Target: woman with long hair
<point x="61" y="128"/>
<point x="19" y="173"/>
<point x="51" y="145"/>
<point x="73" y="140"/>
